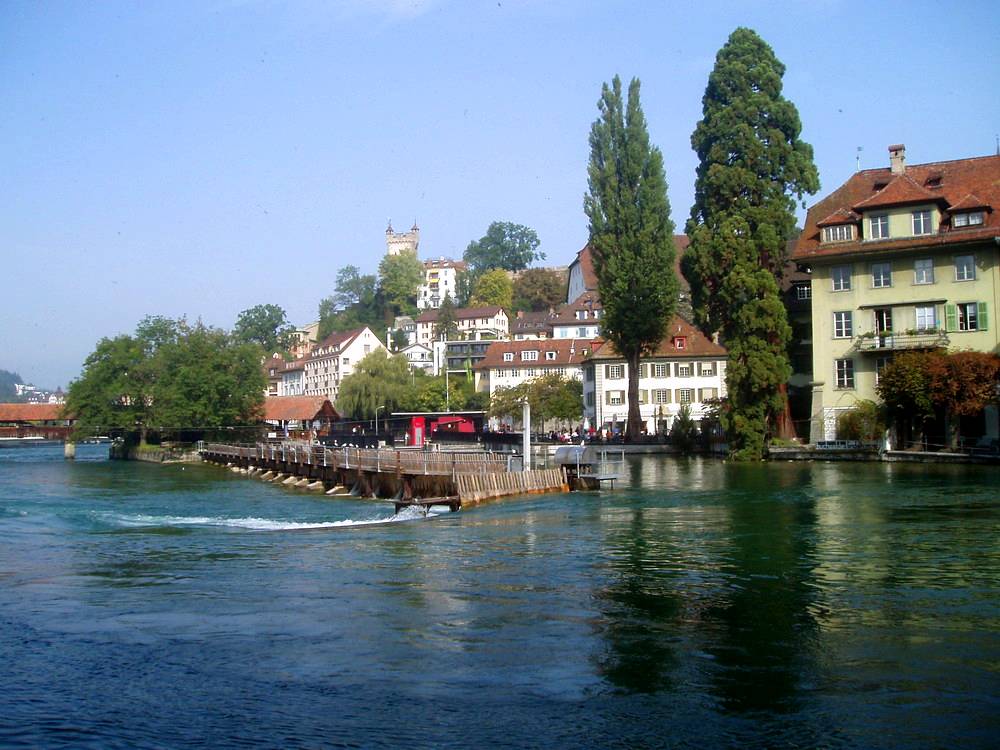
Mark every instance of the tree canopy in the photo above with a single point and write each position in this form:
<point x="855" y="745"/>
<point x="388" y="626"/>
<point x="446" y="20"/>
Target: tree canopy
<point x="493" y="288"/>
<point x="264" y="325"/>
<point x="170" y="374"/>
<point x="400" y="277"/>
<point x="752" y="168"/>
<point x="446" y="326"/>
<point x="551" y="396"/>
<point x="631" y="234"/>
<point x="539" y="289"/>
<point x="379" y="379"/>
<point x="505" y="245"/>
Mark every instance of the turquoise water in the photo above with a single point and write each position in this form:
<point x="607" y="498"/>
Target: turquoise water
<point x="702" y="605"/>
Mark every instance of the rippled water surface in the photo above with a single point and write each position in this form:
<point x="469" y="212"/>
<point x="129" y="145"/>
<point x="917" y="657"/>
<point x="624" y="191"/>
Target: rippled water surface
<point x="701" y="605"/>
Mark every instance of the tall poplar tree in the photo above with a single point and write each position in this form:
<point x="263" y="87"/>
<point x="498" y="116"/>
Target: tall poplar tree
<point x="631" y="234"/>
<point x="753" y="169"/>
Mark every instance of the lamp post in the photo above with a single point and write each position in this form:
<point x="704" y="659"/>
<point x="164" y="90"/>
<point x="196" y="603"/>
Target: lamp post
<point x="375" y="421"/>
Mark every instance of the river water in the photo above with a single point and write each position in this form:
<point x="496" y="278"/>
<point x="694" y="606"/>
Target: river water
<point x="699" y="605"/>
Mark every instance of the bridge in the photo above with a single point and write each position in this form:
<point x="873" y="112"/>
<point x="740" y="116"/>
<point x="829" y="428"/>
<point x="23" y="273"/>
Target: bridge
<point x="406" y="476"/>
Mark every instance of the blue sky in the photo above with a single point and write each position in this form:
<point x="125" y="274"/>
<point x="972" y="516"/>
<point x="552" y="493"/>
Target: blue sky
<point x="200" y="158"/>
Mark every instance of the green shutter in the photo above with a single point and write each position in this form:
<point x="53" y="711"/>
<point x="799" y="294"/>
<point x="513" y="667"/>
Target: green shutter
<point x="642" y="371"/>
<point x="950" y="318"/>
<point x="607" y="372"/>
<point x="607" y="396"/>
<point x="981" y="321"/>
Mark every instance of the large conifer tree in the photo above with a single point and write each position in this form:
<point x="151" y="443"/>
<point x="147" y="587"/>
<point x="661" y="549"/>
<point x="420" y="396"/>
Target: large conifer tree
<point x="753" y="168"/>
<point x="631" y="234"/>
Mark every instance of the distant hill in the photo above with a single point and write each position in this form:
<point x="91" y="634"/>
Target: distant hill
<point x="7" y="380"/>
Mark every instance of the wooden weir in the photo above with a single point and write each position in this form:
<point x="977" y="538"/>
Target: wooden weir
<point x="406" y="476"/>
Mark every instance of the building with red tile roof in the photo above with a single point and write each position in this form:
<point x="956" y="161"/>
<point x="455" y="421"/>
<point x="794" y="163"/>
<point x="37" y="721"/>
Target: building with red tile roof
<point x="902" y="257"/>
<point x="510" y="363"/>
<point x="334" y="358"/>
<point x="472" y="323"/>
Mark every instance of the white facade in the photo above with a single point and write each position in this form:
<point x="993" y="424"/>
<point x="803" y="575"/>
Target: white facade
<point x="664" y="385"/>
<point x="472" y="323"/>
<point x="420" y="357"/>
<point x="334" y="359"/>
<point x="293" y="379"/>
<point x="402" y="242"/>
<point x="440" y="281"/>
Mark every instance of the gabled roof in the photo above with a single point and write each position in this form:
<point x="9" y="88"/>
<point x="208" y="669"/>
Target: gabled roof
<point x="567" y="352"/>
<point x="840" y="216"/>
<point x="970" y="203"/>
<point x="586" y="262"/>
<point x="947" y="183"/>
<point x="902" y="190"/>
<point x="338" y="340"/>
<point x="301" y="408"/>
<point x="458" y="265"/>
<point x="566" y="315"/>
<point x="461" y="313"/>
<point x="696" y="344"/>
<point x="31" y="412"/>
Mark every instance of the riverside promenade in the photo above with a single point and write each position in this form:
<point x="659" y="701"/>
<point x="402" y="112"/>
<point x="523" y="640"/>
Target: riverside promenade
<point x="406" y="476"/>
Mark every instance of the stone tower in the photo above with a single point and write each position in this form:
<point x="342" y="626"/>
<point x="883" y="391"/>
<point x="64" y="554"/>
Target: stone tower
<point x="402" y="242"/>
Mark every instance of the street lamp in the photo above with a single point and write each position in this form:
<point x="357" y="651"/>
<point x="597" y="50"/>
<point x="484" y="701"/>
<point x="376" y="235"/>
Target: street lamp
<point x="375" y="423"/>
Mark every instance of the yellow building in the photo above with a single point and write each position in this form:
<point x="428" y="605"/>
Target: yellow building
<point x="904" y="257"/>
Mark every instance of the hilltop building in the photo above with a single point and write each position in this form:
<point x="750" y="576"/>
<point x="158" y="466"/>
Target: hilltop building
<point x="440" y="282"/>
<point x="402" y="242"/>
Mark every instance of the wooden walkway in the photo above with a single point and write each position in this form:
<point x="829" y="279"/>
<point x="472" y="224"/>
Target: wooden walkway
<point x="407" y="476"/>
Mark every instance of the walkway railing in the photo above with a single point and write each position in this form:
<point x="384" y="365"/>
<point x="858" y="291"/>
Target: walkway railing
<point x="366" y="459"/>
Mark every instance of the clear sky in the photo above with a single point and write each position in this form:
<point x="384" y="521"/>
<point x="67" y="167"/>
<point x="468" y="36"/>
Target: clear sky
<point x="200" y="158"/>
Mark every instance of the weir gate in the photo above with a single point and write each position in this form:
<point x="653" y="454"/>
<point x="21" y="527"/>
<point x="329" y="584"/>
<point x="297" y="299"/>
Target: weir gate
<point x="406" y="476"/>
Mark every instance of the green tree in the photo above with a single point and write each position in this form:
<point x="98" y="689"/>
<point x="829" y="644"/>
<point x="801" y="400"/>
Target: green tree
<point x="631" y="234"/>
<point x="264" y="325"/>
<point x="752" y="168"/>
<point x="400" y="277"/>
<point x="551" y="396"/>
<point x="539" y="289"/>
<point x="864" y="421"/>
<point x="446" y="326"/>
<point x="354" y="288"/>
<point x="7" y="381"/>
<point x="493" y="288"/>
<point x="684" y="431"/>
<point x="505" y="245"/>
<point x="378" y="380"/>
<point x="113" y="391"/>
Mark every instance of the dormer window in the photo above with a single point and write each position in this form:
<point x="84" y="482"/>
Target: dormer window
<point x="680" y="342"/>
<point x="508" y="356"/>
<point x="878" y="227"/>
<point x="838" y="233"/>
<point x="921" y="222"/>
<point x="550" y="356"/>
<point x="968" y="219"/>
<point x="529" y="356"/>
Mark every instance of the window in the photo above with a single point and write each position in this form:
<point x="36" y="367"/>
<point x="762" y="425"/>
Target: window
<point x="923" y="271"/>
<point x="707" y="393"/>
<point x="347" y="360"/>
<point x="581" y="314"/>
<point x="803" y="291"/>
<point x="841" y="276"/>
<point x="615" y="398"/>
<point x="843" y="325"/>
<point x="508" y="356"/>
<point x="879" y="227"/>
<point x="615" y="372"/>
<point x="515" y="373"/>
<point x="660" y="370"/>
<point x="590" y="398"/>
<point x="965" y="268"/>
<point x="921" y="222"/>
<point x="880" y="364"/>
<point x="661" y="396"/>
<point x="581" y="333"/>
<point x="680" y="342"/>
<point x="529" y="356"/>
<point x="588" y="374"/>
<point x="845" y="373"/>
<point x="968" y="318"/>
<point x="839" y="233"/>
<point x="550" y="356"/>
<point x="926" y="319"/>
<point x="707" y="369"/>
<point x="683" y="370"/>
<point x="530" y="372"/>
<point x="684" y="395"/>
<point x="881" y="275"/>
<point x="970" y="219"/>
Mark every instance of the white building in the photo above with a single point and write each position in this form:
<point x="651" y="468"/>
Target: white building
<point x="510" y="363"/>
<point x="686" y="368"/>
<point x="473" y="323"/>
<point x="334" y="359"/>
<point x="578" y="319"/>
<point x="420" y="357"/>
<point x="293" y="378"/>
<point x="440" y="281"/>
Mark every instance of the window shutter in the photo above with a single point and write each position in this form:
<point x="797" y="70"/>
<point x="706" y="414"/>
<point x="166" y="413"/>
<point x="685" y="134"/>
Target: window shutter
<point x="642" y="394"/>
<point x="950" y="318"/>
<point x="642" y="371"/>
<point x="607" y="396"/>
<point x="607" y="372"/>
<point x="981" y="322"/>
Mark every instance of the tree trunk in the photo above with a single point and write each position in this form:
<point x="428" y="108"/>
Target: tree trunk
<point x="634" y="428"/>
<point x="783" y="425"/>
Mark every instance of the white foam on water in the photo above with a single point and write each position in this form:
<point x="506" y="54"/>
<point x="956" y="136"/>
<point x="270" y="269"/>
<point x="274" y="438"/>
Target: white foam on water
<point x="413" y="513"/>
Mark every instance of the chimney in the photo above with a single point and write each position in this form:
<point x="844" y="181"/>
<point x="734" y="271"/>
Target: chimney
<point x="897" y="158"/>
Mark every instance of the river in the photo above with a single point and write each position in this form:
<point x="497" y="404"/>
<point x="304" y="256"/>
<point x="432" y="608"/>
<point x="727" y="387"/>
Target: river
<point x="699" y="605"/>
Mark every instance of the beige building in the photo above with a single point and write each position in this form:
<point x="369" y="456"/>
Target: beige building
<point x="901" y="258"/>
<point x="402" y="242"/>
<point x="473" y="323"/>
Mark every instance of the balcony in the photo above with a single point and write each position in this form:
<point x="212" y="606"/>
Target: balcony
<point x="904" y="340"/>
